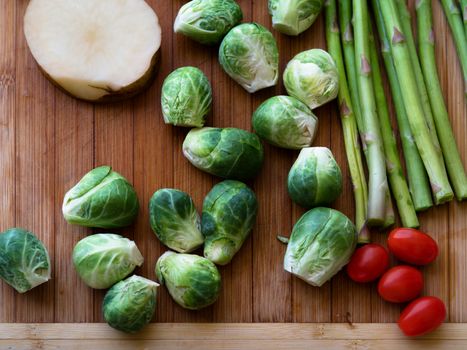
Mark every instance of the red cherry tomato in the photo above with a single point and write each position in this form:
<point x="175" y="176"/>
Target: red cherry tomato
<point x="368" y="263"/>
<point x="422" y="316"/>
<point x="400" y="284"/>
<point x="412" y="246"/>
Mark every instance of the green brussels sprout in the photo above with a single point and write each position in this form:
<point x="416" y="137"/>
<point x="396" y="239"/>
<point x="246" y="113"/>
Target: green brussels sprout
<point x="229" y="153"/>
<point x="102" y="198"/>
<point x="186" y="97"/>
<point x="229" y="213"/>
<point x="193" y="281"/>
<point x="24" y="261"/>
<point x="175" y="221"/>
<point x="322" y="242"/>
<point x="315" y="179"/>
<point x="293" y="17"/>
<point x="207" y="21"/>
<point x="285" y="122"/>
<point x="130" y="304"/>
<point x="103" y="259"/>
<point x="312" y="77"/>
<point x="249" y="55"/>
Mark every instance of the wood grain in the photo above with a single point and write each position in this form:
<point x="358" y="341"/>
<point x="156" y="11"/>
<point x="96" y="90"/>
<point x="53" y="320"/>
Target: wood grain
<point x="49" y="140"/>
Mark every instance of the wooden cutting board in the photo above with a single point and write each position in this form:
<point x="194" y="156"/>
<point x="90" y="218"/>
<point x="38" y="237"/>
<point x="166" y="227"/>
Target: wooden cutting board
<point x="48" y="141"/>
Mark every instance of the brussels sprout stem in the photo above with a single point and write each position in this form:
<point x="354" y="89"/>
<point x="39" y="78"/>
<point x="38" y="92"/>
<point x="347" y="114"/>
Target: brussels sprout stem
<point x="349" y="124"/>
<point x="283" y="239"/>
<point x="451" y="154"/>
<point x="453" y="15"/>
<point x="397" y="181"/>
<point x="432" y="159"/>
<point x="406" y="25"/>
<point x="378" y="184"/>
<point x="417" y="177"/>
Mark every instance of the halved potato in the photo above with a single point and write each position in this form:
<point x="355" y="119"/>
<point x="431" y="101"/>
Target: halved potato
<point x="95" y="50"/>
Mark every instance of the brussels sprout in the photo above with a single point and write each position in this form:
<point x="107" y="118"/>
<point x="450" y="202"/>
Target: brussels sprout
<point x="103" y="259"/>
<point x="293" y="17"/>
<point x="229" y="213"/>
<point x="312" y="77"/>
<point x="285" y="122"/>
<point x="229" y="153"/>
<point x="175" y="221"/>
<point x="186" y="97"/>
<point x="315" y="179"/>
<point x="24" y="261"/>
<point x="193" y="281"/>
<point x="322" y="242"/>
<point x="130" y="304"/>
<point x="207" y="21"/>
<point x="250" y="56"/>
<point x="103" y="198"/>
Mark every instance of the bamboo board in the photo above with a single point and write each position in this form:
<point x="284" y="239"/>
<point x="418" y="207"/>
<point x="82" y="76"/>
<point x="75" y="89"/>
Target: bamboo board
<point x="49" y="140"/>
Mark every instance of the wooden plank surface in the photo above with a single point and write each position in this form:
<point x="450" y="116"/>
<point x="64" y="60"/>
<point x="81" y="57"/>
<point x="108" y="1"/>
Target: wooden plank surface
<point x="49" y="140"/>
<point x="228" y="336"/>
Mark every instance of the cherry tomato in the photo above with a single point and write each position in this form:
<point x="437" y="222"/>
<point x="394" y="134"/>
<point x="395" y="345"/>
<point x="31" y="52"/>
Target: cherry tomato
<point x="422" y="316"/>
<point x="368" y="263"/>
<point x="412" y="246"/>
<point x="400" y="284"/>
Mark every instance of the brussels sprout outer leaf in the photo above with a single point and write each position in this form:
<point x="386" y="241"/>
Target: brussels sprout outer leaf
<point x="229" y="213"/>
<point x="315" y="179"/>
<point x="103" y="259"/>
<point x="24" y="261"/>
<point x="186" y="97"/>
<point x="312" y="77"/>
<point x="293" y="17"/>
<point x="228" y="153"/>
<point x="175" y="221"/>
<point x="102" y="198"/>
<point x="250" y="56"/>
<point x="193" y="281"/>
<point x="285" y="122"/>
<point x="207" y="21"/>
<point x="130" y="304"/>
<point x="322" y="242"/>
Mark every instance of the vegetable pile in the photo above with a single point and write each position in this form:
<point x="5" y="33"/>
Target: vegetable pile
<point x="323" y="240"/>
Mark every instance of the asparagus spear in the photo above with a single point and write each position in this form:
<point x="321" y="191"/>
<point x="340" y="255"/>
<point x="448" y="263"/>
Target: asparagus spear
<point x="416" y="173"/>
<point x="406" y="23"/>
<point x="452" y="12"/>
<point x="397" y="181"/>
<point x="345" y="19"/>
<point x="432" y="160"/>
<point x="378" y="185"/>
<point x="463" y="4"/>
<point x="426" y="42"/>
<point x="348" y="121"/>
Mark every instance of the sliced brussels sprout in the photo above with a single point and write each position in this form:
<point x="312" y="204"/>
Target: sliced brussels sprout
<point x="293" y="17"/>
<point x="229" y="213"/>
<point x="207" y="21"/>
<point x="103" y="259"/>
<point x="285" y="122"/>
<point x="24" y="261"/>
<point x="175" y="221"/>
<point x="312" y="77"/>
<point x="229" y="153"/>
<point x="322" y="242"/>
<point x="102" y="198"/>
<point x="249" y="55"/>
<point x="315" y="179"/>
<point x="193" y="281"/>
<point x="130" y="304"/>
<point x="186" y="97"/>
